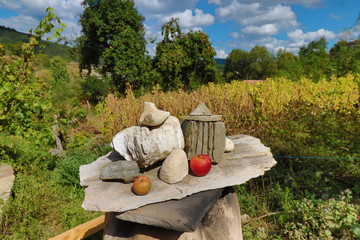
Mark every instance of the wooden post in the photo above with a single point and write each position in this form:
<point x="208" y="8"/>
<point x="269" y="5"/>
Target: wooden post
<point x="82" y="231"/>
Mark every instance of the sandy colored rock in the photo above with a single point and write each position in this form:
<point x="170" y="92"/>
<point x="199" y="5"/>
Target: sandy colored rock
<point x="151" y="116"/>
<point x="229" y="145"/>
<point x="175" y="167"/>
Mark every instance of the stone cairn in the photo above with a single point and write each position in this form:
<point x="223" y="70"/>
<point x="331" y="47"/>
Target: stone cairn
<point x="180" y="205"/>
<point x="161" y="137"/>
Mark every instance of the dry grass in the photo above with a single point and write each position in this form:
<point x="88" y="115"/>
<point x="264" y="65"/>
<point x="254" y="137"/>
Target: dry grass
<point x="245" y="107"/>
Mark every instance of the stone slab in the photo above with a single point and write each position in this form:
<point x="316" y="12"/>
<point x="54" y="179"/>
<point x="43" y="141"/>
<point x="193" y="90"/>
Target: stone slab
<point x="249" y="159"/>
<point x="183" y="215"/>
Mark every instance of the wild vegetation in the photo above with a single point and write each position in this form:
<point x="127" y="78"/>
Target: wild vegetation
<point x="310" y="122"/>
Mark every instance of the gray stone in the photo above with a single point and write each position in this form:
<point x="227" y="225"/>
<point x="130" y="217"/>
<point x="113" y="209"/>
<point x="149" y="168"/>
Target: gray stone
<point x="183" y="215"/>
<point x="175" y="167"/>
<point x="229" y="145"/>
<point x="204" y="138"/>
<point x="188" y="127"/>
<point x="212" y="118"/>
<point x="149" y="145"/>
<point x="152" y="116"/>
<point x="121" y="170"/>
<point x="7" y="178"/>
<point x="219" y="141"/>
<point x="201" y="110"/>
<point x="222" y="222"/>
<point x="249" y="159"/>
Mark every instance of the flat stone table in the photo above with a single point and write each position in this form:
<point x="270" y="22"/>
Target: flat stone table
<point x="249" y="159"/>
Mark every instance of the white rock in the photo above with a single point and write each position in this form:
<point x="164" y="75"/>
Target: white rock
<point x="148" y="146"/>
<point x="229" y="145"/>
<point x="152" y="116"/>
<point x="175" y="167"/>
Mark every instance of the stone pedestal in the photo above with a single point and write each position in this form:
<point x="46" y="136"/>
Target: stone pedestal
<point x="222" y="222"/>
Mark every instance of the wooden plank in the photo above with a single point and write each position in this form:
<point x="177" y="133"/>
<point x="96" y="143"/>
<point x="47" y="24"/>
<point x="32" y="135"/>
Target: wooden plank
<point x="82" y="231"/>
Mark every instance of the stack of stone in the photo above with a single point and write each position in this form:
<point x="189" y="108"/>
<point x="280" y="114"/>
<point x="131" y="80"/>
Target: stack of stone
<point x="179" y="206"/>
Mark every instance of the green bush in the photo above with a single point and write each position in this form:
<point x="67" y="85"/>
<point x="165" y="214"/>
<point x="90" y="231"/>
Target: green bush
<point x="67" y="167"/>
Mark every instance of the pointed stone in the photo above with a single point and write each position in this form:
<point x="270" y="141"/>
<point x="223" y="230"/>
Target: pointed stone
<point x="152" y="116"/>
<point x="201" y="110"/>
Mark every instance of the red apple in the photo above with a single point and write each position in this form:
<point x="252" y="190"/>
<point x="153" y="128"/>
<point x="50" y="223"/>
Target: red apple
<point x="141" y="185"/>
<point x="200" y="164"/>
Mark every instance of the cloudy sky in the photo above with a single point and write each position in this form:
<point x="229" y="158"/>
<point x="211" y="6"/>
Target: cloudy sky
<point x="230" y="24"/>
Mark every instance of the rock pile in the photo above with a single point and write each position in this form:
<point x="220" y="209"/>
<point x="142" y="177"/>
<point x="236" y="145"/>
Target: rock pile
<point x="160" y="136"/>
<point x="180" y="205"/>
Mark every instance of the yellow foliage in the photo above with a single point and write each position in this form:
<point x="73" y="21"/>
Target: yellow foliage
<point x="245" y="107"/>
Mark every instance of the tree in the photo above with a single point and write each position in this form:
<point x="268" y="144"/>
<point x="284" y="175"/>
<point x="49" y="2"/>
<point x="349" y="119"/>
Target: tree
<point x="262" y="64"/>
<point x="345" y="58"/>
<point x="23" y="105"/>
<point x="288" y="65"/>
<point x="236" y="65"/>
<point x="184" y="60"/>
<point x="256" y="64"/>
<point x="315" y="59"/>
<point x="113" y="40"/>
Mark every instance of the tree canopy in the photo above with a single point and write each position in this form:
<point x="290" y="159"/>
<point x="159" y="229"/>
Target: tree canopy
<point x="113" y="40"/>
<point x="184" y="60"/>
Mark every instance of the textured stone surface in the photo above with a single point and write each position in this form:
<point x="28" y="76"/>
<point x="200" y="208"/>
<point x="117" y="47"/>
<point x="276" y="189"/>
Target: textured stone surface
<point x="151" y="116"/>
<point x="175" y="167"/>
<point x="204" y="138"/>
<point x="121" y="170"/>
<point x="249" y="159"/>
<point x="201" y="110"/>
<point x="212" y="118"/>
<point x="222" y="222"/>
<point x="149" y="145"/>
<point x="181" y="215"/>
<point x="6" y="182"/>
<point x="229" y="145"/>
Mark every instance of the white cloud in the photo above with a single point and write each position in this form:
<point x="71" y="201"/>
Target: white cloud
<point x="21" y="23"/>
<point x="217" y="2"/>
<point x="258" y="18"/>
<point x="279" y="15"/>
<point x="298" y="35"/>
<point x="236" y="35"/>
<point x="188" y="20"/>
<point x="151" y="8"/>
<point x="220" y="53"/>
<point x="266" y="29"/>
<point x="66" y="10"/>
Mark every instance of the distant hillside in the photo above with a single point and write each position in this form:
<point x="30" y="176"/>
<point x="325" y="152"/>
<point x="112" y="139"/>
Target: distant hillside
<point x="220" y="63"/>
<point x="10" y="38"/>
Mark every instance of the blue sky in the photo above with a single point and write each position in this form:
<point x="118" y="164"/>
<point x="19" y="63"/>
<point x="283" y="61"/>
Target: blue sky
<point x="230" y="24"/>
